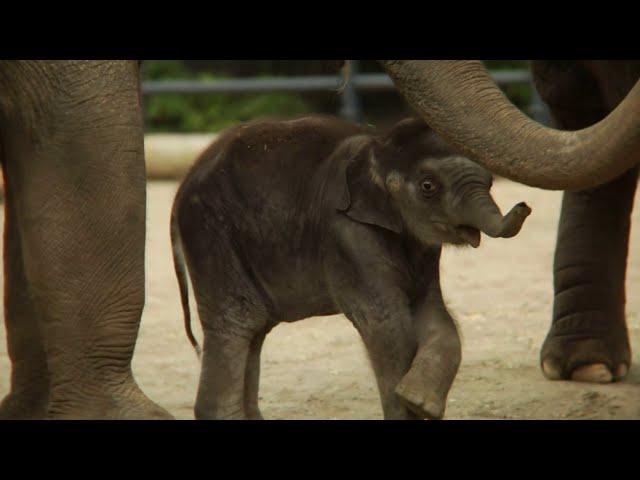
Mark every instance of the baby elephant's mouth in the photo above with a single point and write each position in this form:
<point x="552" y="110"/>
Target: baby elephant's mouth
<point x="469" y="235"/>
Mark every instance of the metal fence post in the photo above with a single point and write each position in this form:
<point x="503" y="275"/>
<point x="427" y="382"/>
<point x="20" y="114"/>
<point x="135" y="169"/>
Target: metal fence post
<point x="145" y="111"/>
<point x="349" y="102"/>
<point x="538" y="109"/>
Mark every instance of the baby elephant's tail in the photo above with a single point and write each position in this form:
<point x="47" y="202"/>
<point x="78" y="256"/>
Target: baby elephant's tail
<point x="181" y="274"/>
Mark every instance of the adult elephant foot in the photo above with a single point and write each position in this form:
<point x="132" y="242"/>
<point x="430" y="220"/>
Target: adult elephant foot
<point x="24" y="406"/>
<point x="571" y="353"/>
<point x="124" y="401"/>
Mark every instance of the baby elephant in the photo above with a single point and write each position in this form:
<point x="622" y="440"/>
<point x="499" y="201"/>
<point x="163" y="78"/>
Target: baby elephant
<point x="283" y="220"/>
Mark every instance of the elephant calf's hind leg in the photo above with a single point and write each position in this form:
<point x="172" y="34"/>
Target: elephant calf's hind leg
<point x="233" y="336"/>
<point x="222" y="378"/>
<point x="252" y="379"/>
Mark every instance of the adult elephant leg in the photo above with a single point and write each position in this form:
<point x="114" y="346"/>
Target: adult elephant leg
<point x="29" y="393"/>
<point x="588" y="340"/>
<point x="73" y="147"/>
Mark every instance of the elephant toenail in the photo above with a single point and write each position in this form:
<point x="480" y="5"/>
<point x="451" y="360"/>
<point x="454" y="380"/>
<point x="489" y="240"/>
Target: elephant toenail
<point x="594" y="373"/>
<point x="551" y="371"/>
<point x="621" y="371"/>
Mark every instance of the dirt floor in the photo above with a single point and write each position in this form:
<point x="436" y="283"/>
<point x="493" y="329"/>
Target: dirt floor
<point x="316" y="369"/>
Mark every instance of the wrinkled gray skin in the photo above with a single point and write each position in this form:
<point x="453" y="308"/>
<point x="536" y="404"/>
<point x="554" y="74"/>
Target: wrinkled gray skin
<point x="71" y="147"/>
<point x="283" y="220"/>
<point x="593" y="153"/>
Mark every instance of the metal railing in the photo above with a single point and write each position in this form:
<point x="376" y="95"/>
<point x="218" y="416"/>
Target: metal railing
<point x="350" y="101"/>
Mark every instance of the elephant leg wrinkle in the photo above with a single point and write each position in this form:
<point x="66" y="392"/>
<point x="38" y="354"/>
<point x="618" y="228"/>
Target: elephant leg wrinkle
<point x="29" y="394"/>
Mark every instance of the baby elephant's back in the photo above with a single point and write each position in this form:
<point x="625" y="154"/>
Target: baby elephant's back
<point x="270" y="163"/>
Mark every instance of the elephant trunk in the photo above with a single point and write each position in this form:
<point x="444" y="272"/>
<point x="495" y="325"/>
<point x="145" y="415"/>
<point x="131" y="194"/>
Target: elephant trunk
<point x="479" y="211"/>
<point x="460" y="101"/>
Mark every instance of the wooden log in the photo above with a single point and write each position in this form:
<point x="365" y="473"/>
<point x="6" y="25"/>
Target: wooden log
<point x="169" y="156"/>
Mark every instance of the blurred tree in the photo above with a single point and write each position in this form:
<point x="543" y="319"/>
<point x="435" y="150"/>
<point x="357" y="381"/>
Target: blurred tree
<point x="208" y="112"/>
<point x="520" y="95"/>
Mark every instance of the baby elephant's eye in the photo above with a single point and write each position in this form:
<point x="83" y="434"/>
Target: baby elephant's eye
<point x="429" y="187"/>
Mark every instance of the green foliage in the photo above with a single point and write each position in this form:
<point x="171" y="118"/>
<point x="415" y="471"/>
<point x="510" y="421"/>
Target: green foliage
<point x="210" y="112"/>
<point x="520" y="95"/>
<point x="507" y="64"/>
<point x="214" y="112"/>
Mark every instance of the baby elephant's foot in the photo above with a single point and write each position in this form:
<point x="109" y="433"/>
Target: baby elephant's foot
<point x="423" y="404"/>
<point x="424" y="389"/>
<point x="573" y="351"/>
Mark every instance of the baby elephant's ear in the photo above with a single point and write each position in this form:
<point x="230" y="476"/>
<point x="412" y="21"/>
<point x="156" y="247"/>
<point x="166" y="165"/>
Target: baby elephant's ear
<point x="407" y="131"/>
<point x="363" y="195"/>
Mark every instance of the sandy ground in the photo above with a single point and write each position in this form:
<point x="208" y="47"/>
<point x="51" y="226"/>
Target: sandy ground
<point x="316" y="369"/>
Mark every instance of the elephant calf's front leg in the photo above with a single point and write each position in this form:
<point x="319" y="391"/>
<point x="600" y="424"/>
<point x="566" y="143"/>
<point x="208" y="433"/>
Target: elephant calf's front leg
<point x="381" y="314"/>
<point x="369" y="282"/>
<point x="425" y="387"/>
<point x="391" y="346"/>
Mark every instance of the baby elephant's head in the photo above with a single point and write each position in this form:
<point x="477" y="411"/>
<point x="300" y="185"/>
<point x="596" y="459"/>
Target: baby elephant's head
<point x="412" y="181"/>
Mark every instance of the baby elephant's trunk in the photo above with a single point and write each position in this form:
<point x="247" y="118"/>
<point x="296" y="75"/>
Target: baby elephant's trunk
<point x="481" y="212"/>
